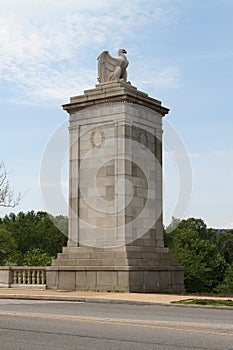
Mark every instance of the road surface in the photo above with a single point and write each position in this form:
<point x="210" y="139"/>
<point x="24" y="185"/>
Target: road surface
<point x="41" y="325"/>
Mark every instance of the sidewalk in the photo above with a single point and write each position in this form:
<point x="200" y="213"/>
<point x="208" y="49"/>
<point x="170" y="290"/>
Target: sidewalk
<point x="102" y="297"/>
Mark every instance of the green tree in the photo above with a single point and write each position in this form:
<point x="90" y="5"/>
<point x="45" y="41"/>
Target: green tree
<point x="35" y="257"/>
<point x="227" y="285"/>
<point x="194" y="224"/>
<point x="197" y="225"/>
<point x="35" y="230"/>
<point x="7" y="247"/>
<point x="224" y="242"/>
<point x="194" y="246"/>
<point x="204" y="266"/>
<point x="52" y="234"/>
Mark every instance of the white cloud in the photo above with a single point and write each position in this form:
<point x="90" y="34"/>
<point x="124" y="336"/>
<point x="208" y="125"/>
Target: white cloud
<point x="168" y="77"/>
<point x="151" y="74"/>
<point x="47" y="50"/>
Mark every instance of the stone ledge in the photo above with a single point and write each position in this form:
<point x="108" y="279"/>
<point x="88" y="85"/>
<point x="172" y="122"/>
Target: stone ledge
<point x="115" y="250"/>
<point x="117" y="91"/>
<point x="114" y="268"/>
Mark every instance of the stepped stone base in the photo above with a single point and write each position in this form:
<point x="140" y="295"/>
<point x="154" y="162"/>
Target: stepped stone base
<point x="127" y="269"/>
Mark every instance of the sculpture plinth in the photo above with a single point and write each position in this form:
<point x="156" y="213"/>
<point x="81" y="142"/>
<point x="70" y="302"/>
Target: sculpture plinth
<point x="115" y="219"/>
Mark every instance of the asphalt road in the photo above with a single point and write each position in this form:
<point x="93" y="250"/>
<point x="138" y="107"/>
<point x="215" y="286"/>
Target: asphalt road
<point x="41" y="325"/>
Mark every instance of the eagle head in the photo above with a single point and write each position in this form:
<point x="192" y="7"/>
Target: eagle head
<point x="122" y="51"/>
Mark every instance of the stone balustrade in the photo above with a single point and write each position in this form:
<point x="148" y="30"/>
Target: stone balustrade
<point x="25" y="277"/>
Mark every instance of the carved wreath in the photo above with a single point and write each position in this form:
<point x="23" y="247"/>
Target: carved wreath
<point x="97" y="138"/>
<point x="142" y="137"/>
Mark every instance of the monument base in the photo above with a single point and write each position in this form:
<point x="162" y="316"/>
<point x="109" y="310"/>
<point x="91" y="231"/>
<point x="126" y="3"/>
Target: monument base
<point x="124" y="269"/>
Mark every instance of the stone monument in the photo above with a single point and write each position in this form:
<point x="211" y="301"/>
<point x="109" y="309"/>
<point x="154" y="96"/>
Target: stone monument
<point x="115" y="198"/>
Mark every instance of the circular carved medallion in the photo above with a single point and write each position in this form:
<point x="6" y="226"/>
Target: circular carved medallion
<point x="97" y="138"/>
<point x="142" y="138"/>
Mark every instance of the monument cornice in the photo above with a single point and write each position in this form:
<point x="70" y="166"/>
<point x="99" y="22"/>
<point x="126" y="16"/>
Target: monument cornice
<point x="116" y="91"/>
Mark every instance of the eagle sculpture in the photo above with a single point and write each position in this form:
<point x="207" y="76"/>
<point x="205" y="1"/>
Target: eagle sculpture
<point x="112" y="68"/>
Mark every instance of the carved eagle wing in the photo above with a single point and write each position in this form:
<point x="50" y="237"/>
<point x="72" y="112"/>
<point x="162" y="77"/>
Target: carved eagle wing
<point x="106" y="66"/>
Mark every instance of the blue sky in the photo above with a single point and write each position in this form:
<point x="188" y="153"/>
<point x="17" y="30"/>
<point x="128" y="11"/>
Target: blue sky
<point x="180" y="52"/>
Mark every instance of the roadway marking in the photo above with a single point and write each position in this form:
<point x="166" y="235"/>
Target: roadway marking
<point x="28" y="301"/>
<point x="175" y="326"/>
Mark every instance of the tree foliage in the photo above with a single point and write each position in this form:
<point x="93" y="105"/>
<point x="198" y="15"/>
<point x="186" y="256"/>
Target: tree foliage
<point x="227" y="285"/>
<point x="36" y="257"/>
<point x="224" y="242"/>
<point x="7" y="247"/>
<point x="32" y="231"/>
<point x="204" y="254"/>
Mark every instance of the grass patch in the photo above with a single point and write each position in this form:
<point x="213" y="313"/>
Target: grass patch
<point x="212" y="302"/>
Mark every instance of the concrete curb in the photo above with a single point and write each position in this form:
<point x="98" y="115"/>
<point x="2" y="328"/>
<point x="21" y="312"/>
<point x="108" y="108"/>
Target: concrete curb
<point x="81" y="299"/>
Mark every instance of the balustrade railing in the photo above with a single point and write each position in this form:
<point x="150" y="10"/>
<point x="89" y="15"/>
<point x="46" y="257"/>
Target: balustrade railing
<point x="29" y="276"/>
<point x="23" y="277"/>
